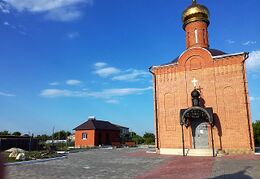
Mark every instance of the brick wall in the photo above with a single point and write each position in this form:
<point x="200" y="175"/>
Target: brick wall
<point x="96" y="137"/>
<point x="202" y="34"/>
<point x="79" y="142"/>
<point x="223" y="87"/>
<point x="114" y="136"/>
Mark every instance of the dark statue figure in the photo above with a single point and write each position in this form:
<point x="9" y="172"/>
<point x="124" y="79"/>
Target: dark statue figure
<point x="195" y="94"/>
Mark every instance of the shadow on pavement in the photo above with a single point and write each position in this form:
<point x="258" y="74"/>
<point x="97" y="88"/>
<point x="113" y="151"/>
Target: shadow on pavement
<point x="240" y="175"/>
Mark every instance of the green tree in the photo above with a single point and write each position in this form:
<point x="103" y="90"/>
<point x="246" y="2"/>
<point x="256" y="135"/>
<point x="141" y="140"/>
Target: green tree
<point x="4" y="133"/>
<point x="43" y="137"/>
<point x="17" y="133"/>
<point x="149" y="138"/>
<point x="256" y="128"/>
<point x="61" y="135"/>
<point x="136" y="138"/>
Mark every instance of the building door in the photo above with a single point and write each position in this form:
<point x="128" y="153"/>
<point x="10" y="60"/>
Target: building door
<point x="99" y="138"/>
<point x="199" y="134"/>
<point x="107" y="139"/>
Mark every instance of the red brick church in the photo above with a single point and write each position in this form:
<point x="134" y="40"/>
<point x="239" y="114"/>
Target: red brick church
<point x="201" y="98"/>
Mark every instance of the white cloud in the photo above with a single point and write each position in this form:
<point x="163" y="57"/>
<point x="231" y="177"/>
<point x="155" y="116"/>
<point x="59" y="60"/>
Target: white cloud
<point x="254" y="98"/>
<point x="6" y="94"/>
<point x="6" y="23"/>
<point x="230" y="41"/>
<point x="103" y="70"/>
<point x="22" y="32"/>
<point x="73" y="82"/>
<point x="104" y="94"/>
<point x="108" y="93"/>
<point x="112" y="101"/>
<point x="19" y="28"/>
<point x="55" y="93"/>
<point x="249" y="43"/>
<point x="253" y="62"/>
<point x="42" y="5"/>
<point x="4" y="8"/>
<point x="106" y="71"/>
<point x="55" y="83"/>
<point x="131" y="75"/>
<point x="72" y="35"/>
<point x="60" y="10"/>
<point x="100" y="64"/>
<point x="63" y="15"/>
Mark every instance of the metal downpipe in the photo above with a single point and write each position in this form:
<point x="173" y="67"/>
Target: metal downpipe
<point x="155" y="106"/>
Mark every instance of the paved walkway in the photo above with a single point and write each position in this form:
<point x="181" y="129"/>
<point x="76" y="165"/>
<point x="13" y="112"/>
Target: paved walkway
<point x="136" y="163"/>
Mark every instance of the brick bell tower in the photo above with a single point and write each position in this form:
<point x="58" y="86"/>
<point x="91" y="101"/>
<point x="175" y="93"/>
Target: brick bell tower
<point x="216" y="81"/>
<point x="195" y="22"/>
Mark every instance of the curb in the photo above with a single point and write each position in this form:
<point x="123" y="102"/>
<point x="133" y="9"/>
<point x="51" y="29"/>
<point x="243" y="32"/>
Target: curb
<point x="34" y="161"/>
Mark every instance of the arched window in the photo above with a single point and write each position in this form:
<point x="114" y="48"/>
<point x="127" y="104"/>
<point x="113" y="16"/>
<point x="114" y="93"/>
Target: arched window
<point x="196" y="36"/>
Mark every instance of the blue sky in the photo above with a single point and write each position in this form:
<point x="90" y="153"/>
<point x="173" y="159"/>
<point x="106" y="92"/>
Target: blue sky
<point x="62" y="61"/>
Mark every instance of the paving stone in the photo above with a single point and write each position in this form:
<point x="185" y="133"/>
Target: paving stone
<point x="136" y="163"/>
<point x="101" y="163"/>
<point x="242" y="167"/>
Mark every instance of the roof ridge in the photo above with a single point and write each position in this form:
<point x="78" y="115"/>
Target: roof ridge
<point x="93" y="123"/>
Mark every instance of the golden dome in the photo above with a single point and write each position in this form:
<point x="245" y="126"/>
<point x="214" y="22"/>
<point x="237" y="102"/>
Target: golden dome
<point x="195" y="12"/>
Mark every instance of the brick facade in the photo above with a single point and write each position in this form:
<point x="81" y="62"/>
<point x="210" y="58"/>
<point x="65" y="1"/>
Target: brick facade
<point x="222" y="79"/>
<point x="96" y="138"/>
<point x="89" y="142"/>
<point x="96" y="132"/>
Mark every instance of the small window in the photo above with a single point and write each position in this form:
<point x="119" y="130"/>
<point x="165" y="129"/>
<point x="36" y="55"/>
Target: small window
<point x="84" y="136"/>
<point x="196" y="36"/>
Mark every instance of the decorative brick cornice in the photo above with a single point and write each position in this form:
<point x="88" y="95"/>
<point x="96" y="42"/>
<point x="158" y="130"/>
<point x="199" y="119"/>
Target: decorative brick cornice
<point x="206" y="60"/>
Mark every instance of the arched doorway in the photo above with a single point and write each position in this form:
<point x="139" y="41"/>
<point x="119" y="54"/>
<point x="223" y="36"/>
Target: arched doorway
<point x="199" y="134"/>
<point x="198" y="118"/>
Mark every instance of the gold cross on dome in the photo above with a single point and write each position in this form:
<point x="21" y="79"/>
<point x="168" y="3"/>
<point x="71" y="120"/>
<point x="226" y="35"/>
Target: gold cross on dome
<point x="194" y="1"/>
<point x="194" y="81"/>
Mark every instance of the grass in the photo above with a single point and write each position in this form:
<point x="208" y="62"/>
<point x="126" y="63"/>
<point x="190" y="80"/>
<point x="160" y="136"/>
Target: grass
<point x="32" y="155"/>
<point x="40" y="155"/>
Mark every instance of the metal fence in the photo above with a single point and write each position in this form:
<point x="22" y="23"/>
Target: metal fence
<point x="25" y="143"/>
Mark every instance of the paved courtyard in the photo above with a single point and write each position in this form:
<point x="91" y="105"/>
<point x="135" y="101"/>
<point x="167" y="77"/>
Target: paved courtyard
<point x="137" y="163"/>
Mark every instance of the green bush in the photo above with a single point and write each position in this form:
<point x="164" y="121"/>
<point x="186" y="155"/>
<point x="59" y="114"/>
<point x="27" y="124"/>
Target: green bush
<point x="57" y="147"/>
<point x="256" y="128"/>
<point x="4" y="133"/>
<point x="136" y="138"/>
<point x="149" y="138"/>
